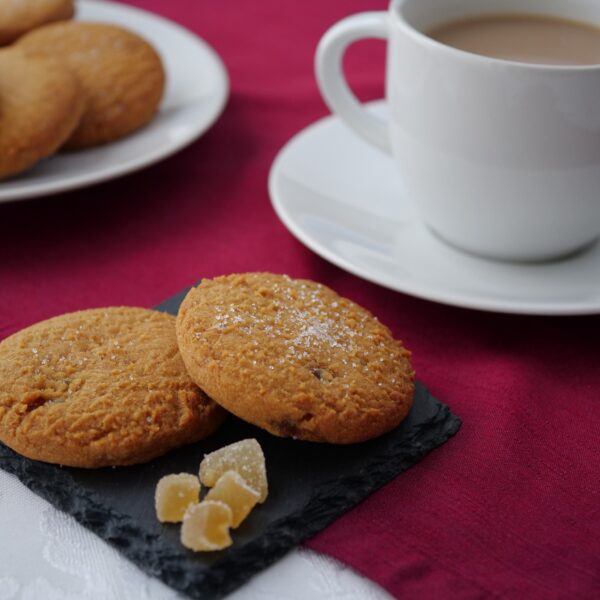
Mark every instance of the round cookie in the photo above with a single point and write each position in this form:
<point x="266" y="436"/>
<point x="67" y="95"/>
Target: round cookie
<point x="99" y="387"/>
<point x="293" y="357"/>
<point x="121" y="75"/>
<point x="40" y="106"/>
<point x="20" y="16"/>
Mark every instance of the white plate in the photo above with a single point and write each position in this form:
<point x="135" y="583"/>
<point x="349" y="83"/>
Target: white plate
<point x="196" y="91"/>
<point x="344" y="200"/>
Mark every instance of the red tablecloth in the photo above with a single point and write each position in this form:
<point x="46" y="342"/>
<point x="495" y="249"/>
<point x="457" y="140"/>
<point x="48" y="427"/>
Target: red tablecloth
<point x="508" y="508"/>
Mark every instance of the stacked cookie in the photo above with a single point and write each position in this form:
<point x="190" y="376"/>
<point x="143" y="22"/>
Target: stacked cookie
<point x="17" y="17"/>
<point x="293" y="357"/>
<point x="119" y="386"/>
<point x="69" y="84"/>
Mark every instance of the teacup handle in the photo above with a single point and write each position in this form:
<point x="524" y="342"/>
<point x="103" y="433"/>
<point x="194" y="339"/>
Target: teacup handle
<point x="330" y="75"/>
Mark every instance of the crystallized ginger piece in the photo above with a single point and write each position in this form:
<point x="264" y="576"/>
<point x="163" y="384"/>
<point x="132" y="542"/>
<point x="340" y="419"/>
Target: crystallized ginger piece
<point x="174" y="493"/>
<point x="232" y="489"/>
<point x="245" y="458"/>
<point x="206" y="526"/>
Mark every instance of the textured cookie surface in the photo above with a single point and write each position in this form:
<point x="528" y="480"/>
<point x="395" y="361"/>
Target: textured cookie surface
<point x="121" y="74"/>
<point x="40" y="106"/>
<point x="19" y="16"/>
<point x="294" y="358"/>
<point x="99" y="387"/>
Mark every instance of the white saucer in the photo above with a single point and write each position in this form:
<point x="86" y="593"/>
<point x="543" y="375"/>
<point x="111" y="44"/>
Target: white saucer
<point x="344" y="200"/>
<point x="197" y="88"/>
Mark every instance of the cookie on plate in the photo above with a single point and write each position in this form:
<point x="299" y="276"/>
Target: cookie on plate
<point x="40" y="106"/>
<point x="99" y="387"/>
<point x="121" y="74"/>
<point x="20" y="16"/>
<point x="293" y="357"/>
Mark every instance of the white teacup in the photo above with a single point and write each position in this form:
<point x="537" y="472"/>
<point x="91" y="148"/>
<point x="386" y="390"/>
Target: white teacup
<point x="501" y="158"/>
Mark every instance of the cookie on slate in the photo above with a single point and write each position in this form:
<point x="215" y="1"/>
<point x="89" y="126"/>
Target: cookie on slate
<point x="40" y="106"/>
<point x="294" y="358"/>
<point x="99" y="387"/>
<point x="20" y="16"/>
<point x="121" y="74"/>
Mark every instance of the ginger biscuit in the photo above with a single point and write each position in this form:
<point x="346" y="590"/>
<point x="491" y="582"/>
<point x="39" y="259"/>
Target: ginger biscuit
<point x="40" y="106"/>
<point x="293" y="357"/>
<point x="120" y="73"/>
<point x="20" y="16"/>
<point x="99" y="387"/>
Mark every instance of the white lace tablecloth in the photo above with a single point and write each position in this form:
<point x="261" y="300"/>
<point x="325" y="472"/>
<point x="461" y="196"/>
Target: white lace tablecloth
<point x="46" y="555"/>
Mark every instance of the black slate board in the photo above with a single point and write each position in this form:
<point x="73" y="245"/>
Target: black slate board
<point x="310" y="486"/>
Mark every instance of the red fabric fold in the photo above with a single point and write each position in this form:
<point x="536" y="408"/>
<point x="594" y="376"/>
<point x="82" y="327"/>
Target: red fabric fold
<point x="508" y="508"/>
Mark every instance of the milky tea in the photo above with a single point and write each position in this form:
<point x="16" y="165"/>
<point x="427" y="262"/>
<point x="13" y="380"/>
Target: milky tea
<point x="523" y="38"/>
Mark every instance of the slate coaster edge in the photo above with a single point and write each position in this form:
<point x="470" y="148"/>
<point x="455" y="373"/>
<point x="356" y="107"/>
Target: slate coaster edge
<point x="238" y="564"/>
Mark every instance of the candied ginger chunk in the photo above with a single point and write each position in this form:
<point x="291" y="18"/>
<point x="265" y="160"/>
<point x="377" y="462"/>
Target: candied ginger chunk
<point x="174" y="493"/>
<point x="206" y="526"/>
<point x="245" y="458"/>
<point x="232" y="489"/>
